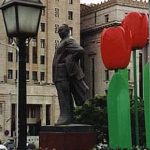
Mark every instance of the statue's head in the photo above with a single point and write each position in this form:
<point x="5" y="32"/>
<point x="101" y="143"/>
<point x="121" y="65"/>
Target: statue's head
<point x="63" y="31"/>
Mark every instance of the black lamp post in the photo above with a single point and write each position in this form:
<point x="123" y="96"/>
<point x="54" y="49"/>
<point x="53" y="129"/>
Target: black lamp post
<point x="22" y="19"/>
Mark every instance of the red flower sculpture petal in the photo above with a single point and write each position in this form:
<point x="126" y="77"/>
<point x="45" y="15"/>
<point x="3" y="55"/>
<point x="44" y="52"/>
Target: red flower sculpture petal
<point x="138" y="24"/>
<point x="116" y="47"/>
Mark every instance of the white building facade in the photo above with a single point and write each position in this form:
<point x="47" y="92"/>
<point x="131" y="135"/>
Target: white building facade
<point x="42" y="101"/>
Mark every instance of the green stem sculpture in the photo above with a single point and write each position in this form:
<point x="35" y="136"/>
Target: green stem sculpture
<point x="146" y="91"/>
<point x="147" y="102"/>
<point x="118" y="105"/>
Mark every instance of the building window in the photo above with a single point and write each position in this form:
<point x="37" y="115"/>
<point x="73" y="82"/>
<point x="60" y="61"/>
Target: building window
<point x="27" y="54"/>
<point x="106" y="18"/>
<point x="10" y="56"/>
<point x="42" y="27"/>
<point x="70" y="15"/>
<point x="56" y="28"/>
<point x="33" y="112"/>
<point x="48" y="115"/>
<point x="56" y="43"/>
<point x="70" y="1"/>
<point x="106" y="75"/>
<point x="10" y="74"/>
<point x="34" y="76"/>
<point x="56" y="12"/>
<point x="42" y="76"/>
<point x="34" y="55"/>
<point x="71" y="31"/>
<point x="1" y="108"/>
<point x="42" y="43"/>
<point x="16" y="74"/>
<point x="42" y="59"/>
<point x="27" y="75"/>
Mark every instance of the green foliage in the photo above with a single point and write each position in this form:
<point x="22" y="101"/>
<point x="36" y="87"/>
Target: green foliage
<point x="141" y="120"/>
<point x="93" y="112"/>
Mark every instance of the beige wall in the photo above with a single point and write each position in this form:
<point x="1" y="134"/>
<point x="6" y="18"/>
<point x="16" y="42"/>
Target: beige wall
<point x="38" y="95"/>
<point x="92" y="24"/>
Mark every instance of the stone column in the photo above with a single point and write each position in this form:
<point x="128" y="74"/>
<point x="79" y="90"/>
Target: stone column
<point x="43" y="115"/>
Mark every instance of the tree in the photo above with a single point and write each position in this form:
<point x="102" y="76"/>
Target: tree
<point x="94" y="112"/>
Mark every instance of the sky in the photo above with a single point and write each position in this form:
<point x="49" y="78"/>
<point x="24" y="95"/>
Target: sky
<point x="94" y="1"/>
<point x="90" y="1"/>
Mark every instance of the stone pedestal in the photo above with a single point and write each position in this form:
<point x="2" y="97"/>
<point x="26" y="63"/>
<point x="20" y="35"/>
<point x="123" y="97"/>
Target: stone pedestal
<point x="67" y="137"/>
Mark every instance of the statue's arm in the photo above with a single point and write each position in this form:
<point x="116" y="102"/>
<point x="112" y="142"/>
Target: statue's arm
<point x="74" y="49"/>
<point x="74" y="52"/>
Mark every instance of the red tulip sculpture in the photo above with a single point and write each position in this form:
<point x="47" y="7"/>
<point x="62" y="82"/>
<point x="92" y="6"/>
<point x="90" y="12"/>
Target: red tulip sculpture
<point x="116" y="47"/>
<point x="116" y="51"/>
<point x="137" y="23"/>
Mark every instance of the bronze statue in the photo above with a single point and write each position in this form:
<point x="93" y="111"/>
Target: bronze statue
<point x="68" y="75"/>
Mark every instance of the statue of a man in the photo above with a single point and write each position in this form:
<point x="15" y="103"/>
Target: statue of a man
<point x="68" y="75"/>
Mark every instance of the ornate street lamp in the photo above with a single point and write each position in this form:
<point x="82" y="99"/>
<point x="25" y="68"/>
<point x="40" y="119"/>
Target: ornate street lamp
<point x="21" y="18"/>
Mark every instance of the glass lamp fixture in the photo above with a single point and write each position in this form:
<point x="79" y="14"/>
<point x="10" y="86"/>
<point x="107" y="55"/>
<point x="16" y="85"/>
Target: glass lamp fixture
<point x="22" y="17"/>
